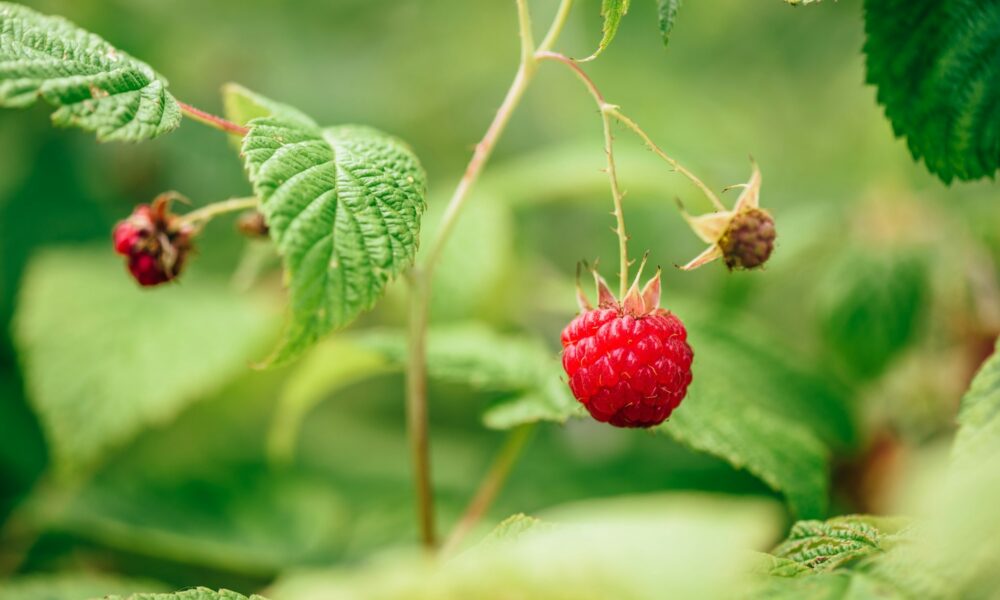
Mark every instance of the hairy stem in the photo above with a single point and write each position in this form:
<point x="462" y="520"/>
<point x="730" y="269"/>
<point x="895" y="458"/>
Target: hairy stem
<point x="616" y="194"/>
<point x="210" y="211"/>
<point x="627" y="122"/>
<point x="490" y="486"/>
<point x="212" y="120"/>
<point x="422" y="276"/>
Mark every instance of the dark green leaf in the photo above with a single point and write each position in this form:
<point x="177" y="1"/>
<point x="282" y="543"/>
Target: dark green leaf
<point x="933" y="62"/>
<point x="667" y="11"/>
<point x="828" y="545"/>
<point x="94" y="85"/>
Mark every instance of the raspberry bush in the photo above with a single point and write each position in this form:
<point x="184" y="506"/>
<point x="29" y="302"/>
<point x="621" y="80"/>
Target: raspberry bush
<point x="291" y="403"/>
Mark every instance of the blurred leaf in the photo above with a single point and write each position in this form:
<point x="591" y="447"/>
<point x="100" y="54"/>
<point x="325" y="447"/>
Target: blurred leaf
<point x="828" y="545"/>
<point x="243" y="106"/>
<point x="801" y="2"/>
<point x="96" y="86"/>
<point x="240" y="517"/>
<point x="193" y="594"/>
<point x="629" y="548"/>
<point x="474" y="355"/>
<point x="104" y="359"/>
<point x="612" y="11"/>
<point x="932" y="61"/>
<point x="667" y="11"/>
<point x="329" y="367"/>
<point x="768" y="564"/>
<point x="870" y="307"/>
<point x="71" y="586"/>
<point x="344" y="206"/>
<point x="826" y="586"/>
<point x="979" y="417"/>
<point x="749" y="408"/>
<point x="512" y="528"/>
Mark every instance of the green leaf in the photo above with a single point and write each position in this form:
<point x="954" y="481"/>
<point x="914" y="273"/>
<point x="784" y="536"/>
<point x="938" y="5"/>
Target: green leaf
<point x="933" y="63"/>
<point x="513" y="527"/>
<point x="242" y="106"/>
<point x="199" y="593"/>
<point x="95" y="86"/>
<point x="826" y="586"/>
<point x="70" y="586"/>
<point x="979" y="416"/>
<point x="612" y="11"/>
<point x="828" y="545"/>
<point x="104" y="359"/>
<point x="344" y="206"/>
<point x="748" y="408"/>
<point x="871" y="306"/>
<point x="667" y="11"/>
<point x="474" y="355"/>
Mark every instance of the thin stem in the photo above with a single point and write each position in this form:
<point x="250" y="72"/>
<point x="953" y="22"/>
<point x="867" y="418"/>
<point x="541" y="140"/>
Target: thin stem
<point x="416" y="405"/>
<point x="670" y="161"/>
<point x="557" y="26"/>
<point x="210" y="211"/>
<point x="616" y="194"/>
<point x="212" y="120"/>
<point x="420" y="278"/>
<point x="490" y="486"/>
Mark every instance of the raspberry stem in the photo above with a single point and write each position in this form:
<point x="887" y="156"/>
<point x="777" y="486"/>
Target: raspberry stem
<point x="421" y="277"/>
<point x="490" y="486"/>
<point x="210" y="211"/>
<point x="211" y="120"/>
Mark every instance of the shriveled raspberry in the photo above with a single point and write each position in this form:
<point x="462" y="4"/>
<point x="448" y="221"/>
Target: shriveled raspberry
<point x="155" y="241"/>
<point x="749" y="239"/>
<point x="628" y="365"/>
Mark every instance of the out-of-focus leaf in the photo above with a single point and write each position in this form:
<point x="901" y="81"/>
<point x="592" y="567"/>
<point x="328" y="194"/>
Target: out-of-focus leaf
<point x="71" y="586"/>
<point x="667" y="12"/>
<point x="192" y="594"/>
<point x="768" y="564"/>
<point x="95" y="86"/>
<point x="628" y="548"/>
<point x="513" y="527"/>
<point x="979" y="417"/>
<point x="870" y="307"/>
<point x="826" y="586"/>
<point x="474" y="355"/>
<point x="933" y="63"/>
<point x="104" y="359"/>
<point x="343" y="205"/>
<point x="242" y="106"/>
<point x="828" y="545"/>
<point x="801" y="2"/>
<point x="243" y="518"/>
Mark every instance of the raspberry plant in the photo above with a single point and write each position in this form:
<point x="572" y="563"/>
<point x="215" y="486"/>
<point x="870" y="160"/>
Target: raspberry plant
<point x="342" y="206"/>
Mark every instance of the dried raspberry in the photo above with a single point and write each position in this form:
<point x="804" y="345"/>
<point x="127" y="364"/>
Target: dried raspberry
<point x="628" y="363"/>
<point x="155" y="241"/>
<point x="749" y="240"/>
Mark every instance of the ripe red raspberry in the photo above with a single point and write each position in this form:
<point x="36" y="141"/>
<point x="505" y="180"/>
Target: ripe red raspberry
<point x="155" y="241"/>
<point x="628" y="363"/>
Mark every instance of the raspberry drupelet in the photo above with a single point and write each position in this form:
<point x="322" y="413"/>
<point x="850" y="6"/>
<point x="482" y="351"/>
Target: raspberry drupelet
<point x="154" y="241"/>
<point x="628" y="362"/>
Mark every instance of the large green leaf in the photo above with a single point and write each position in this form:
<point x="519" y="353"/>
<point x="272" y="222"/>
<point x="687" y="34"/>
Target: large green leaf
<point x="979" y="417"/>
<point x="71" y="586"/>
<point x="104" y="359"/>
<point x="192" y="594"/>
<point x="934" y="64"/>
<point x="344" y="206"/>
<point x="94" y="85"/>
<point x="828" y="545"/>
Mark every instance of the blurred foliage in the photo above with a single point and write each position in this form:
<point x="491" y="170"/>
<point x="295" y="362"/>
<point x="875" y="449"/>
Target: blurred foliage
<point x="879" y="304"/>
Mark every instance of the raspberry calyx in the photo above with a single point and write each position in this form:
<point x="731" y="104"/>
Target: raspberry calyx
<point x="628" y="362"/>
<point x="155" y="242"/>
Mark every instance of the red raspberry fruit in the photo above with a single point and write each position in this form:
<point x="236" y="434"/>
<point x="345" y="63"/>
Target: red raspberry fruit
<point x="155" y="241"/>
<point x="628" y="363"/>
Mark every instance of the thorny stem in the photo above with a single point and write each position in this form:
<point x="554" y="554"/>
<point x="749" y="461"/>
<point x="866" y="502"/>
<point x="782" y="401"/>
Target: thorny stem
<point x="420" y="277"/>
<point x="627" y="122"/>
<point x="607" y="110"/>
<point x="490" y="486"/>
<point x="210" y="211"/>
<point x="212" y="120"/>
